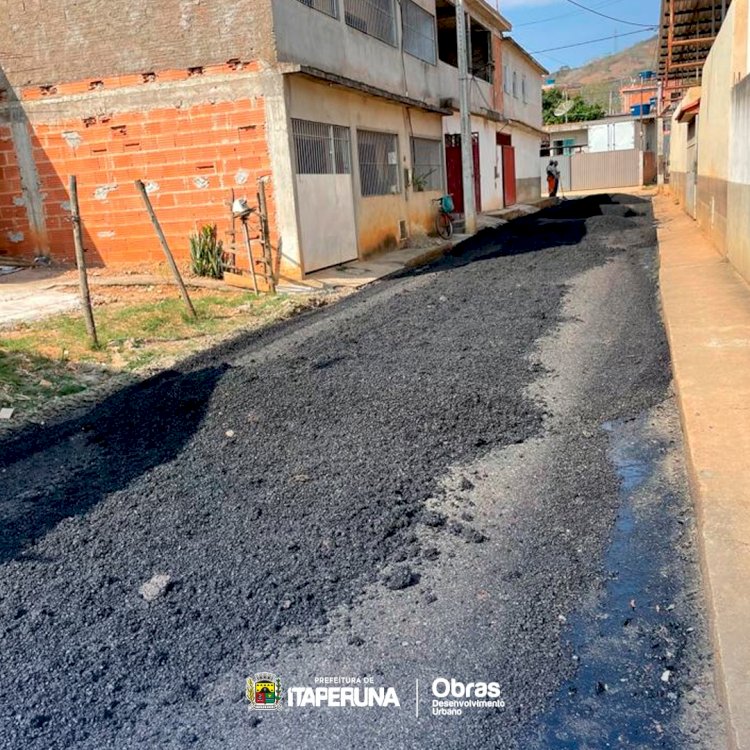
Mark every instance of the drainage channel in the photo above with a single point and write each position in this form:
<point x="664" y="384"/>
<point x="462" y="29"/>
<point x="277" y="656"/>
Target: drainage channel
<point x="627" y="647"/>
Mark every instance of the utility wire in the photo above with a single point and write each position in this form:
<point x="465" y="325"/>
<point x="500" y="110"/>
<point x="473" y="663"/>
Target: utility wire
<point x="589" y="41"/>
<point x="561" y="15"/>
<point x="611" y="18"/>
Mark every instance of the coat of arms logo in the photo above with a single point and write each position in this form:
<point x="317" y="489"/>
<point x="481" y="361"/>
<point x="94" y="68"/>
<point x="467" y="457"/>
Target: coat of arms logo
<point x="263" y="690"/>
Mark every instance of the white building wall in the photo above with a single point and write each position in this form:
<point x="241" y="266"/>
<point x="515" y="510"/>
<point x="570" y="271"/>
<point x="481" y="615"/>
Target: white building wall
<point x="309" y="37"/>
<point x="377" y="217"/>
<point x="528" y="110"/>
<point x="490" y="168"/>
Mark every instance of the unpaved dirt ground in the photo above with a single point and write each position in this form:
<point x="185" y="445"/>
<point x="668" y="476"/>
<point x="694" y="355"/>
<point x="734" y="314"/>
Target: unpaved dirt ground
<point x="473" y="471"/>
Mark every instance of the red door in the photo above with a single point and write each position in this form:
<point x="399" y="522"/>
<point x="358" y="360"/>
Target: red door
<point x="454" y="171"/>
<point x="509" y="175"/>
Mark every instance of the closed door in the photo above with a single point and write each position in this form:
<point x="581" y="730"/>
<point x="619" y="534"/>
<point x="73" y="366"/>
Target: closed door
<point x="509" y="175"/>
<point x="325" y="197"/>
<point x="455" y="174"/>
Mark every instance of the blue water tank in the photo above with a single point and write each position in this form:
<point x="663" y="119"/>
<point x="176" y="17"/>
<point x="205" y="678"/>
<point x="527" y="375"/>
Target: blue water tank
<point x="646" y="74"/>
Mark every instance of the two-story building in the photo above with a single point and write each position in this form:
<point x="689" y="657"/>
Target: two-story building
<point x="347" y="106"/>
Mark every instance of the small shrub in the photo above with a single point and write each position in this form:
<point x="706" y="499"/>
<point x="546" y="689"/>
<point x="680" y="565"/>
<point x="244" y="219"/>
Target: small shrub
<point x="206" y="252"/>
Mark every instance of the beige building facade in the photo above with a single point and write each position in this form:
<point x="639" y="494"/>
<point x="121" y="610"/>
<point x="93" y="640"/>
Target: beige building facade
<point x="709" y="162"/>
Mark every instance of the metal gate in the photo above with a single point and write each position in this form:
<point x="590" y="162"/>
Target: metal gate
<point x="600" y="170"/>
<point x="325" y="197"/>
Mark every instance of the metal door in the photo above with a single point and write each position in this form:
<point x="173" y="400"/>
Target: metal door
<point x="454" y="171"/>
<point x="325" y="195"/>
<point x="509" y="175"/>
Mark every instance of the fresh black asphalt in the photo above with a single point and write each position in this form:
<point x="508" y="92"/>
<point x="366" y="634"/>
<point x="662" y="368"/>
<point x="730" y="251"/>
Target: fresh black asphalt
<point x="315" y="493"/>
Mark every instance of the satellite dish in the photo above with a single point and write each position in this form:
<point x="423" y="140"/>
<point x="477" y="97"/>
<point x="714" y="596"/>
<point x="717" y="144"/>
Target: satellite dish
<point x="563" y="108"/>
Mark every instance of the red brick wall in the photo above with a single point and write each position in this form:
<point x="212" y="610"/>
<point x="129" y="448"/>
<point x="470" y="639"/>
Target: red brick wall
<point x="12" y="210"/>
<point x="190" y="158"/>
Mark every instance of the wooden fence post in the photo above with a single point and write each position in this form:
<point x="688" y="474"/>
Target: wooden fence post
<point x="163" y="240"/>
<point x="83" y="281"/>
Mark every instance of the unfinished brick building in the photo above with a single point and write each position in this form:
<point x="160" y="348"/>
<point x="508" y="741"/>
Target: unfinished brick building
<point x="343" y="104"/>
<point x="173" y="93"/>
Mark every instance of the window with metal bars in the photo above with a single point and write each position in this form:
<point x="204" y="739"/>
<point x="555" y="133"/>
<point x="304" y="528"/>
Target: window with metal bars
<point x="329" y="7"/>
<point x="373" y="17"/>
<point x="419" y="31"/>
<point x="378" y="163"/>
<point x="320" y="148"/>
<point x="427" y="164"/>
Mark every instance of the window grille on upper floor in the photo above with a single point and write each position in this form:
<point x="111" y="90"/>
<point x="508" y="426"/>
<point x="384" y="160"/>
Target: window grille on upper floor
<point x="419" y="31"/>
<point x="329" y="7"/>
<point x="320" y="148"/>
<point x="378" y="163"/>
<point x="373" y="17"/>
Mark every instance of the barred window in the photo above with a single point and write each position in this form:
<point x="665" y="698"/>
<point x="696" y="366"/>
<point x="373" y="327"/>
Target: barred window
<point x="373" y="17"/>
<point x="378" y="163"/>
<point x="427" y="164"/>
<point x="329" y="7"/>
<point x="515" y="85"/>
<point x="320" y="148"/>
<point x="523" y="89"/>
<point x="506" y="79"/>
<point x="419" y="31"/>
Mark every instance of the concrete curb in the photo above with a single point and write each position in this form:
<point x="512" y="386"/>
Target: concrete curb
<point x="706" y="309"/>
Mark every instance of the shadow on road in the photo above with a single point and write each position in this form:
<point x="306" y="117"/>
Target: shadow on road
<point x="124" y="436"/>
<point x="566" y="223"/>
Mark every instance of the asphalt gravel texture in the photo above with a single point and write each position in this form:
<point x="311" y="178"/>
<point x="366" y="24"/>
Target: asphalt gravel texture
<point x="423" y="480"/>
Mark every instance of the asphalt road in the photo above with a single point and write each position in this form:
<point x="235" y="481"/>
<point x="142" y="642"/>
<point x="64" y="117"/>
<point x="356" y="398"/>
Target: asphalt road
<point x="471" y="472"/>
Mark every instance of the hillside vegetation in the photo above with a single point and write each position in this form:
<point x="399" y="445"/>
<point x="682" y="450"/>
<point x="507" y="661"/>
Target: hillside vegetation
<point x="604" y="74"/>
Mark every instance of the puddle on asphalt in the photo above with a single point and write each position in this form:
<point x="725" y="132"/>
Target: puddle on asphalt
<point x="620" y="694"/>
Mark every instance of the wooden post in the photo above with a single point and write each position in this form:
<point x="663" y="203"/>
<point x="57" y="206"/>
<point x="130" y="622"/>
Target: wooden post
<point x="163" y="240"/>
<point x="266" y="234"/>
<point x="83" y="280"/>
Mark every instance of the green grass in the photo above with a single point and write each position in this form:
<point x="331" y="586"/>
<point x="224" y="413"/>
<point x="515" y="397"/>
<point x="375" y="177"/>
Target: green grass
<point x="54" y="358"/>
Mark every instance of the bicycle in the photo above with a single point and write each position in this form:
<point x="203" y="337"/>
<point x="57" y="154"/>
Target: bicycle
<point x="444" y="218"/>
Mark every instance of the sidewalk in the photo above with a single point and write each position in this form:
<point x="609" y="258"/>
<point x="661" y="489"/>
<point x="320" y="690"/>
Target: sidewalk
<point x="357" y="273"/>
<point x="707" y="315"/>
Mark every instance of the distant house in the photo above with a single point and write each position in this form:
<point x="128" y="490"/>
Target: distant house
<point x="618" y="151"/>
<point x="616" y="133"/>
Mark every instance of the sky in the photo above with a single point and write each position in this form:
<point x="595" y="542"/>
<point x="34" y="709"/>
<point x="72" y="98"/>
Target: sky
<point x="542" y="24"/>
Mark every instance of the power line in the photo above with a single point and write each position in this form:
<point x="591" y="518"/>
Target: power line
<point x="562" y="15"/>
<point x="589" y="41"/>
<point x="611" y="18"/>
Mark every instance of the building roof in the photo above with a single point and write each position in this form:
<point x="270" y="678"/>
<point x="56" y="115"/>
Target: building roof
<point x="487" y="14"/>
<point x="562" y="127"/>
<point x="687" y="30"/>
<point x="533" y="61"/>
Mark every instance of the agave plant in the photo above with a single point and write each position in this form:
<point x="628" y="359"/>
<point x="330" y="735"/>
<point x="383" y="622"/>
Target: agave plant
<point x="206" y="251"/>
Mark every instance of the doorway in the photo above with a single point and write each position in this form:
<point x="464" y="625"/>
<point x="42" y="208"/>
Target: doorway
<point x="454" y="171"/>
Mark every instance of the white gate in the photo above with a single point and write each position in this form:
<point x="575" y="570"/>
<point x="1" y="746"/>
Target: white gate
<point x="325" y="198"/>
